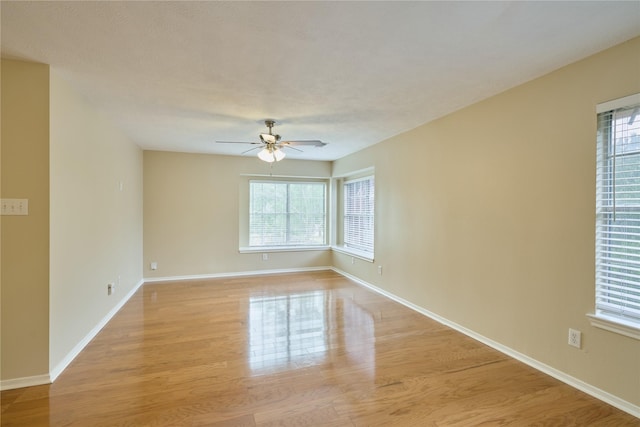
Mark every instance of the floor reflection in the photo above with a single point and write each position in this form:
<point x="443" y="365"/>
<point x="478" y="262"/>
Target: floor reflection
<point x="287" y="329"/>
<point x="358" y="329"/>
<point x="308" y="328"/>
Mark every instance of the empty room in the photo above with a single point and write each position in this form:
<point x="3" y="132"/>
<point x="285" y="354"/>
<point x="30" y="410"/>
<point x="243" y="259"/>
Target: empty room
<point x="320" y="213"/>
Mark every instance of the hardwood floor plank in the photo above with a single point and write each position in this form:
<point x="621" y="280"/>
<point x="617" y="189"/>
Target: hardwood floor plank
<point x="303" y="416"/>
<point x="304" y="349"/>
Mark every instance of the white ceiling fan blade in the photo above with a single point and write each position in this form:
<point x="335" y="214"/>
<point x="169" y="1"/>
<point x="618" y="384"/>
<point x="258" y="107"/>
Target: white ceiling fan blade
<point x="281" y="146"/>
<point x="309" y="142"/>
<point x="237" y="142"/>
<point x="250" y="149"/>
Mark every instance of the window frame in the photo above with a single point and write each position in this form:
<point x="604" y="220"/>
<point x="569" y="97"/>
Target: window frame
<point x="340" y="244"/>
<point x="605" y="315"/>
<point x="245" y="235"/>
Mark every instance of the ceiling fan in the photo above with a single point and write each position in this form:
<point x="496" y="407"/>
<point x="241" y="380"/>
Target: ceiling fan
<point x="272" y="145"/>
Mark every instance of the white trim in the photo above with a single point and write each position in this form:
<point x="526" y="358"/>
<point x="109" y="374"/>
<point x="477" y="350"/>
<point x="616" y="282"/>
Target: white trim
<point x="60" y="367"/>
<point x="555" y="373"/>
<point x="296" y="177"/>
<point x="618" y="103"/>
<point x="259" y="249"/>
<point x="368" y="170"/>
<point x="234" y="274"/>
<point x="613" y="324"/>
<point x="365" y="256"/>
<point x="333" y="212"/>
<point x="57" y="370"/>
<point x="12" y="383"/>
<point x="349" y="180"/>
<point x="289" y="180"/>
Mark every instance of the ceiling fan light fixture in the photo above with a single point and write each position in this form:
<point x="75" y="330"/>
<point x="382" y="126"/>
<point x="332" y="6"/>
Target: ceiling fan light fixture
<point x="266" y="155"/>
<point x="279" y="154"/>
<point x="271" y="154"/>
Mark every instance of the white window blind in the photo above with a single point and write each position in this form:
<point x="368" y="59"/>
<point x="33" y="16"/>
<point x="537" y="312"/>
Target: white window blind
<point x="359" y="214"/>
<point x="618" y="214"/>
<point x="287" y="213"/>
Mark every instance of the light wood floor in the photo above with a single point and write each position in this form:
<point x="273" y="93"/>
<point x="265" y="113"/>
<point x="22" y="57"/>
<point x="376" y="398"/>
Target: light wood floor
<point x="309" y="349"/>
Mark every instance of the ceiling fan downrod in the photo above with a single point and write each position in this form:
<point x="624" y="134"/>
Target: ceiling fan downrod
<point x="270" y="124"/>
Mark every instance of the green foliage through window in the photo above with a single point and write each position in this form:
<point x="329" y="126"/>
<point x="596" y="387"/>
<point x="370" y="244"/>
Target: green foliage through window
<point x="287" y="213"/>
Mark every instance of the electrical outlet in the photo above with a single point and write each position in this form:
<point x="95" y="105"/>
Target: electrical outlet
<point x="154" y="265"/>
<point x="15" y="206"/>
<point x="353" y="260"/>
<point x="575" y="338"/>
<point x="265" y="257"/>
<point x="111" y="288"/>
<point x="380" y="270"/>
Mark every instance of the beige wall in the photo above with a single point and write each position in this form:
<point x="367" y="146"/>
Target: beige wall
<point x="192" y="215"/>
<point x="81" y="232"/>
<point x="96" y="226"/>
<point x="25" y="239"/>
<point x="486" y="218"/>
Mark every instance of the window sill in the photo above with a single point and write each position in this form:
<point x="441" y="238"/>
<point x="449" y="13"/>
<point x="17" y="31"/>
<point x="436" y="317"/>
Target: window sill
<point x="613" y="324"/>
<point x="365" y="256"/>
<point x="262" y="249"/>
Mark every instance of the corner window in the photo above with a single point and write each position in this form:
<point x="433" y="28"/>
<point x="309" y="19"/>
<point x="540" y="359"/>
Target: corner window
<point x="358" y="216"/>
<point x="287" y="213"/>
<point x="618" y="214"/>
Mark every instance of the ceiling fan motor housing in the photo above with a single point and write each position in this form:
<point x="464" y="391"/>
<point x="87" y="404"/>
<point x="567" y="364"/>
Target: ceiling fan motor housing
<point x="269" y="138"/>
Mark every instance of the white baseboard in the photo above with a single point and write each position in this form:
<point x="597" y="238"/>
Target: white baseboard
<point x="24" y="382"/>
<point x="234" y="274"/>
<point x="57" y="370"/>
<point x="609" y="398"/>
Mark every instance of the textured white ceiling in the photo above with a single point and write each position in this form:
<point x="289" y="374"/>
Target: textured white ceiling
<point x="179" y="75"/>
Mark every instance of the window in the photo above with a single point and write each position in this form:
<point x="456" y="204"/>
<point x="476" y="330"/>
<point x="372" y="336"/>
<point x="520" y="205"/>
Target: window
<point x="287" y="213"/>
<point x="618" y="213"/>
<point x="358" y="215"/>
